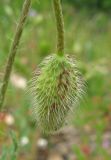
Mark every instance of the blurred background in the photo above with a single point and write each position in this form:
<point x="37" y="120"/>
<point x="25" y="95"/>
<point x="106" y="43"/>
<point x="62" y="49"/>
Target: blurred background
<point x="88" y="37"/>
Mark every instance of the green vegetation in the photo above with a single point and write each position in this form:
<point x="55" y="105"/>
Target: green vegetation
<point x="88" y="38"/>
<point x="92" y="4"/>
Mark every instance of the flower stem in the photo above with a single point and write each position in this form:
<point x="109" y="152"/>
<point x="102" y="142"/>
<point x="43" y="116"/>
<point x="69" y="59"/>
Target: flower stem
<point x="60" y="26"/>
<point x="13" y="50"/>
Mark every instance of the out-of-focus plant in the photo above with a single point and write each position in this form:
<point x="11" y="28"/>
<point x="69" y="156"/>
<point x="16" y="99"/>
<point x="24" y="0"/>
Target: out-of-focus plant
<point x="10" y="152"/>
<point x="97" y="4"/>
<point x="13" y="50"/>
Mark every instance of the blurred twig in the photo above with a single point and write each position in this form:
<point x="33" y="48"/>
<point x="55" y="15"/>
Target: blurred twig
<point x="14" y="147"/>
<point x="13" y="50"/>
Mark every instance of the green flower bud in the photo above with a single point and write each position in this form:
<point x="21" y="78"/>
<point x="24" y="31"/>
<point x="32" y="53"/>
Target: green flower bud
<point x="55" y="88"/>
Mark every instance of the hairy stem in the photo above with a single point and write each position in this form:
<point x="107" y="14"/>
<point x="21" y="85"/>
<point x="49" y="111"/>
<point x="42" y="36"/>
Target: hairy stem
<point x="60" y="26"/>
<point x="13" y="50"/>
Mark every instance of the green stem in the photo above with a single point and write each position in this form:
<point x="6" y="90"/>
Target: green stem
<point x="60" y="26"/>
<point x="13" y="50"/>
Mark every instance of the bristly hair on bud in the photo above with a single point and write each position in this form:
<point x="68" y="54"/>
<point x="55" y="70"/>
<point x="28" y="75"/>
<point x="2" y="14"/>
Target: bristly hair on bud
<point x="56" y="88"/>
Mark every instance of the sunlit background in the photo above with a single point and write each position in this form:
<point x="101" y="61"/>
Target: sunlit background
<point x="88" y="38"/>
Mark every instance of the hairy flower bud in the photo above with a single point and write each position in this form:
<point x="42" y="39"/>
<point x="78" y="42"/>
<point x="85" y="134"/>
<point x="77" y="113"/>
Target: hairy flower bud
<point x="55" y="88"/>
